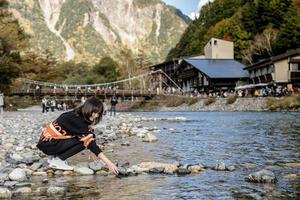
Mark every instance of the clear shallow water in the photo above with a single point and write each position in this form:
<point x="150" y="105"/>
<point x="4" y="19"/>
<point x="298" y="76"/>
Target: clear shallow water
<point x="267" y="139"/>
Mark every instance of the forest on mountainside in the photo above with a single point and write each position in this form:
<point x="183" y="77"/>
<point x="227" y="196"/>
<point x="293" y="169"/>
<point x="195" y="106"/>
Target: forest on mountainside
<point x="258" y="28"/>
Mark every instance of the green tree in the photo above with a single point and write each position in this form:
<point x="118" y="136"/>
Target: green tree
<point x="289" y="36"/>
<point x="106" y="70"/>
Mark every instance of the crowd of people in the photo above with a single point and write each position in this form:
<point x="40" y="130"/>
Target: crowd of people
<point x="266" y="91"/>
<point x="51" y="104"/>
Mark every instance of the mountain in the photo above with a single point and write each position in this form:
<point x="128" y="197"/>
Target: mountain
<point x="88" y="30"/>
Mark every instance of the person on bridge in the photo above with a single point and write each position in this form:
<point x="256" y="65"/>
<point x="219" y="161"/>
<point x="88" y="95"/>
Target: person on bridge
<point x="71" y="133"/>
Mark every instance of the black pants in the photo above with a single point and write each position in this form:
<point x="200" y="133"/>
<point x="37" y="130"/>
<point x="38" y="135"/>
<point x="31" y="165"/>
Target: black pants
<point x="61" y="148"/>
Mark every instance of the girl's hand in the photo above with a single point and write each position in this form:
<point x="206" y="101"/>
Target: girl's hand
<point x="113" y="168"/>
<point x="109" y="164"/>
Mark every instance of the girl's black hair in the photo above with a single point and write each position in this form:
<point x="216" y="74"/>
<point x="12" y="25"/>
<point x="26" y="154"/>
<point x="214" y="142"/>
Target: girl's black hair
<point x="90" y="106"/>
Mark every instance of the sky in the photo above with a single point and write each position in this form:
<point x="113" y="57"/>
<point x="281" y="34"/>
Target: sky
<point x="190" y="8"/>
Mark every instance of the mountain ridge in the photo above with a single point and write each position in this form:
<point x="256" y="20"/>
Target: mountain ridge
<point x="86" y="31"/>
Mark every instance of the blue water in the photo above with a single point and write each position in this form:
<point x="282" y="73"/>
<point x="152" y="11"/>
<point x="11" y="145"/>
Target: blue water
<point x="266" y="139"/>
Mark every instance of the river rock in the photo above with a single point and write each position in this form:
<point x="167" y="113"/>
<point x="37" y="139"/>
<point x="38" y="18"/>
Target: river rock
<point x="291" y="176"/>
<point x="230" y="168"/>
<point x="132" y="172"/>
<point x="58" y="172"/>
<point x="20" y="148"/>
<point x="17" y="175"/>
<point x="7" y="146"/>
<point x="122" y="171"/>
<point x="292" y="165"/>
<point x="55" y="190"/>
<point x="16" y="157"/>
<point x="125" y="165"/>
<point x="140" y="135"/>
<point x="36" y="166"/>
<point x="182" y="171"/>
<point x="195" y="168"/>
<point x="39" y="174"/>
<point x="220" y="166"/>
<point x="68" y="173"/>
<point x="5" y="193"/>
<point x="24" y="184"/>
<point x="249" y="165"/>
<point x="125" y="144"/>
<point x="263" y="176"/>
<point x="102" y="173"/>
<point x="28" y="171"/>
<point x="151" y="165"/>
<point x="150" y="138"/>
<point x="45" y="180"/>
<point x="30" y="158"/>
<point x="22" y="191"/>
<point x="10" y="184"/>
<point x="156" y="170"/>
<point x="83" y="171"/>
<point x="138" y="169"/>
<point x="41" y="190"/>
<point x="96" y="166"/>
<point x="3" y="177"/>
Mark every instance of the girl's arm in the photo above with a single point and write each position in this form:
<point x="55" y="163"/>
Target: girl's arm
<point x="109" y="164"/>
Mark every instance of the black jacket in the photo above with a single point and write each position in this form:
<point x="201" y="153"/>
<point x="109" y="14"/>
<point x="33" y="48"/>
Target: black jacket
<point x="69" y="123"/>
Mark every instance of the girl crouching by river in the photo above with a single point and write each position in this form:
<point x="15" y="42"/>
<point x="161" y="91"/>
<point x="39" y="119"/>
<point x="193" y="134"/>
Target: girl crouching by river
<point x="71" y="133"/>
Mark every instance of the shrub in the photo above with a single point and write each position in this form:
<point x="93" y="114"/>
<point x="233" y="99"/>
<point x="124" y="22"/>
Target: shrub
<point x="285" y="103"/>
<point x="231" y="99"/>
<point x="209" y="101"/>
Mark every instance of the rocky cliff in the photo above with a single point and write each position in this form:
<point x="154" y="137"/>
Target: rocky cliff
<point x="87" y="30"/>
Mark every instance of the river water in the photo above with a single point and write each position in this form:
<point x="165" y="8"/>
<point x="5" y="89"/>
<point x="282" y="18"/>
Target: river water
<point x="267" y="139"/>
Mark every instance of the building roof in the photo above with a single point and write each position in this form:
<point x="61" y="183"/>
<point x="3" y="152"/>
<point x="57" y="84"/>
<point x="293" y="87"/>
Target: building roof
<point x="268" y="61"/>
<point x="219" y="68"/>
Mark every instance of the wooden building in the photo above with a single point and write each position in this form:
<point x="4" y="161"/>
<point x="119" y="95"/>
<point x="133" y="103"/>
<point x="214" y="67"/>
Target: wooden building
<point x="210" y="74"/>
<point x="216" y="70"/>
<point x="205" y="74"/>
<point x="281" y="70"/>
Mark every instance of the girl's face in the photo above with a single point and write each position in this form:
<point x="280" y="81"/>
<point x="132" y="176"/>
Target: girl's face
<point x="94" y="116"/>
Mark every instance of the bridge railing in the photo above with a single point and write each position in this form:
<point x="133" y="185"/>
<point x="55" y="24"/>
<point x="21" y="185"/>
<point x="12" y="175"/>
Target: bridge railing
<point x="72" y="92"/>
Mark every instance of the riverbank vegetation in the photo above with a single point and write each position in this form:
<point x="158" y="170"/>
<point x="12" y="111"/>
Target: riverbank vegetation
<point x="285" y="103"/>
<point x="209" y="100"/>
<point x="163" y="101"/>
<point x="231" y="99"/>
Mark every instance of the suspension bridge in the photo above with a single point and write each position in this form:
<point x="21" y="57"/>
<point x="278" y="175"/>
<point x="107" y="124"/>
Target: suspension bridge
<point x="144" y="85"/>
